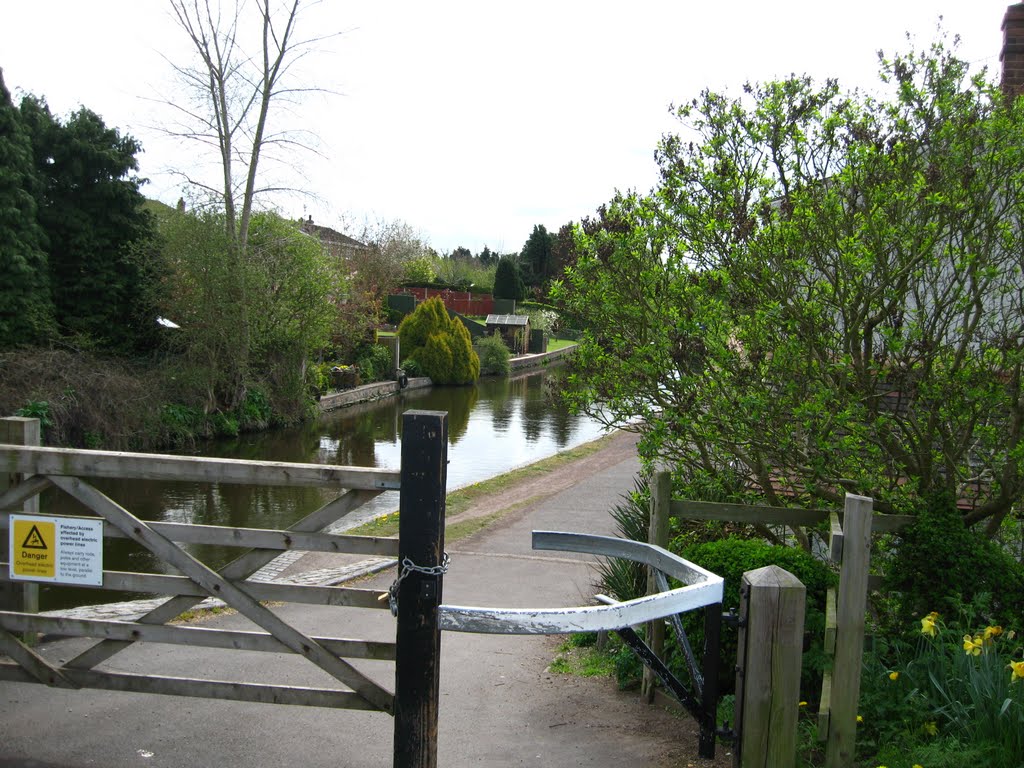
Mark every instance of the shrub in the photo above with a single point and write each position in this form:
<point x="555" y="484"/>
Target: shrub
<point x="374" y="361"/>
<point x="730" y="558"/>
<point x="940" y="562"/>
<point x="439" y="344"/>
<point x="494" y="356"/>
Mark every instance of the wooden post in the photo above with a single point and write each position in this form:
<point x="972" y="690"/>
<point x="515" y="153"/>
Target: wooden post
<point x="851" y="601"/>
<point x="421" y="544"/>
<point x="772" y="603"/>
<point x="21" y="596"/>
<point x="661" y="492"/>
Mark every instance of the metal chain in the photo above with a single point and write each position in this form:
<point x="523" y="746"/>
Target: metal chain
<point x="408" y="566"/>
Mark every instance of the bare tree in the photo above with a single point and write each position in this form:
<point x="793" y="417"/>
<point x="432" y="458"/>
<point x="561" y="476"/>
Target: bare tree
<point x="235" y="88"/>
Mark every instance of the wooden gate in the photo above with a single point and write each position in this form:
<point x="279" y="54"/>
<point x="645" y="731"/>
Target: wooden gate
<point x="28" y="470"/>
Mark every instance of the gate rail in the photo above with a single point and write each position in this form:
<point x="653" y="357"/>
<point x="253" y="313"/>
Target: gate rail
<point x="700" y="589"/>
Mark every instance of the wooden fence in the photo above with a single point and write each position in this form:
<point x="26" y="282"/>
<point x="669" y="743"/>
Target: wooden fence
<point x="29" y="469"/>
<point x="771" y="626"/>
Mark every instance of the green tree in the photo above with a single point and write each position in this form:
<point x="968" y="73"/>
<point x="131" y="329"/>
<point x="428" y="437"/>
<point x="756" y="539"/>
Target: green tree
<point x="508" y="284"/>
<point x="823" y="294"/>
<point x="26" y="309"/>
<point x="440" y="344"/>
<point x="536" y="259"/>
<point x="91" y="210"/>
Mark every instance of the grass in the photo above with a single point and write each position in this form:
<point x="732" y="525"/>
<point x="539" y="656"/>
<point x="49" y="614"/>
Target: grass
<point x="556" y="344"/>
<point x="460" y="500"/>
<point x="582" y="660"/>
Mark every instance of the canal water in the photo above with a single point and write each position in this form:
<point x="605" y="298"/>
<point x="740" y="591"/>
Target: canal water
<point x="493" y="427"/>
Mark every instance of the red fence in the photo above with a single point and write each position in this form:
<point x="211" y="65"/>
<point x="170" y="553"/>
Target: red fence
<point x="475" y="304"/>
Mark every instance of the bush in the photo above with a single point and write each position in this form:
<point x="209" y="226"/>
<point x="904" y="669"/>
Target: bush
<point x="374" y="361"/>
<point x="730" y="558"/>
<point x="494" y="356"/>
<point x="439" y="344"/>
<point x="939" y="563"/>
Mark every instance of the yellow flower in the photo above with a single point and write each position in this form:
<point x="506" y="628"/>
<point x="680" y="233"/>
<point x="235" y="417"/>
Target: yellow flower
<point x="991" y="632"/>
<point x="972" y="646"/>
<point x="928" y="625"/>
<point x="930" y="728"/>
<point x="803" y="703"/>
<point x="917" y="765"/>
<point x="1018" y="670"/>
<point x="894" y="676"/>
<point x="860" y="719"/>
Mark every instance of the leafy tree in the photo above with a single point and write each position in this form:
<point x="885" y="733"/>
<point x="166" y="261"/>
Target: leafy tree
<point x="487" y="257"/>
<point x="26" y="310"/>
<point x="91" y="209"/>
<point x="537" y="262"/>
<point x="461" y="254"/>
<point x="440" y="344"/>
<point x="823" y="294"/>
<point x="289" y="279"/>
<point x="508" y="284"/>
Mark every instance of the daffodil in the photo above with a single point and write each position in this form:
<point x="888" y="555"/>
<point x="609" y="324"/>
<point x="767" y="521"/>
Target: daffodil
<point x="972" y="645"/>
<point x="803" y="703"/>
<point x="1018" y="671"/>
<point x="930" y="728"/>
<point x="894" y="676"/>
<point x="991" y="632"/>
<point x="860" y="719"/>
<point x="928" y="625"/>
<point x="917" y="765"/>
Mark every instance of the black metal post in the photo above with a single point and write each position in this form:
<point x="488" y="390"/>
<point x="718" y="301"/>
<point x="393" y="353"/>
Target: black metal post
<point x="709" y="694"/>
<point x="421" y="546"/>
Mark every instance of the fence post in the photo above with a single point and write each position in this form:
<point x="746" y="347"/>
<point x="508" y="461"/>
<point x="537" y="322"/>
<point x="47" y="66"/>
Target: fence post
<point x="772" y="603"/>
<point x="22" y="596"/>
<point x="661" y="492"/>
<point x="421" y="541"/>
<point x="851" y="601"/>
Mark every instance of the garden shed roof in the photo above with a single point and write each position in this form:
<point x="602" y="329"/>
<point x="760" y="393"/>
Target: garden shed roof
<point x="523" y="320"/>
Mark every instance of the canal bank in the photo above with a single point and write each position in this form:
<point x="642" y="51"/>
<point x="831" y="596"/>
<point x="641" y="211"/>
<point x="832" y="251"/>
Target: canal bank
<point x="368" y="392"/>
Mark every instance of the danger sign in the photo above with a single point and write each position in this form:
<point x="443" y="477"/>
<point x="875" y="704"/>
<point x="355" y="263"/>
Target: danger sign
<point x="65" y="550"/>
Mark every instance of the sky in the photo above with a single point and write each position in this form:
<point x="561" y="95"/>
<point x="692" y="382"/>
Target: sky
<point x="471" y="121"/>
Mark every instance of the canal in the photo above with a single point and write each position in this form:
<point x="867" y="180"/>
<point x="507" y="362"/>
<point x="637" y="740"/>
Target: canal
<point x="495" y="426"/>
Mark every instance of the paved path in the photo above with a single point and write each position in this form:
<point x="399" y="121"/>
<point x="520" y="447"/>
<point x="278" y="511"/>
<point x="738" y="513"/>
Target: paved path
<point x="500" y="706"/>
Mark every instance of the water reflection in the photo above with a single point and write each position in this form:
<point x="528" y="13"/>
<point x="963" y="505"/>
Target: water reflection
<point x="495" y="426"/>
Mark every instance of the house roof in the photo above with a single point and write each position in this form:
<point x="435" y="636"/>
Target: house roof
<point x="329" y="236"/>
<point x="508" y="320"/>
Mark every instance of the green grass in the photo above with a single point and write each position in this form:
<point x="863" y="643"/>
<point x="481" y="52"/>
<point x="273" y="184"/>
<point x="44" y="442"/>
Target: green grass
<point x="585" y="661"/>
<point x="556" y="344"/>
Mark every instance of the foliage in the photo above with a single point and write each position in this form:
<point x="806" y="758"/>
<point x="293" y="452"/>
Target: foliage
<point x="91" y="209"/>
<point x="508" y="283"/>
<point x="440" y="344"/>
<point x="626" y="579"/>
<point x="938" y="557"/>
<point x="419" y="269"/>
<point x="536" y="258"/>
<point x="26" y="308"/>
<point x="822" y="295"/>
<point x="954" y="689"/>
<point x="730" y="558"/>
<point x="374" y="361"/>
<point x="494" y="355"/>
<point x="287" y="282"/>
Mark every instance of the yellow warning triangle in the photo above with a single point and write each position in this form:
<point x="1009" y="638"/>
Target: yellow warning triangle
<point x="34" y="540"/>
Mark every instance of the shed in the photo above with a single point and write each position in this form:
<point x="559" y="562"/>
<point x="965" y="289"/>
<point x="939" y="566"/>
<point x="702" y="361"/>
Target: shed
<point x="514" y="330"/>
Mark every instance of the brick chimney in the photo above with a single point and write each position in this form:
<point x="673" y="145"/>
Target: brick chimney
<point x="1012" y="55"/>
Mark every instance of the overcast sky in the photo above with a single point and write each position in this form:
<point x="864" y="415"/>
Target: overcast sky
<point x="474" y="121"/>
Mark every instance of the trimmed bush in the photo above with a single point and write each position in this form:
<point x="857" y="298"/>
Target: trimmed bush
<point x="439" y="344"/>
<point x="494" y="356"/>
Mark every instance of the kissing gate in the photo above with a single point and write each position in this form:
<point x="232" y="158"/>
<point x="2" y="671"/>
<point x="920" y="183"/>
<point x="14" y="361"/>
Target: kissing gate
<point x="69" y="550"/>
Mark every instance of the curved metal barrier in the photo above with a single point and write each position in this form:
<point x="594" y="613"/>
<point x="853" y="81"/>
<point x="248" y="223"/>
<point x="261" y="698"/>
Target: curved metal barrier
<point x="700" y="588"/>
